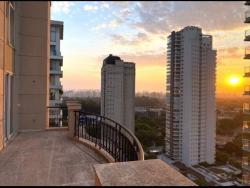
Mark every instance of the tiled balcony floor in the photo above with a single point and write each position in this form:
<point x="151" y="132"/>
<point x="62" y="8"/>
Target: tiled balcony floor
<point x="47" y="158"/>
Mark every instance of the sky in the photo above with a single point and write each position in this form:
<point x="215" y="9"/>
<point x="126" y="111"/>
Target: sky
<point x="137" y="32"/>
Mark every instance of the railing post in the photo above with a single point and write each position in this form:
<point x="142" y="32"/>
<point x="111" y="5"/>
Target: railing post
<point x="72" y="107"/>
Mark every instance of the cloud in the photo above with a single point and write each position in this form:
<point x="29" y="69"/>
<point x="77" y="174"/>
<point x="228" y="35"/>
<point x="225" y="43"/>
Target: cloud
<point x="104" y="5"/>
<point x="64" y="7"/>
<point x="232" y="52"/>
<point x="122" y="40"/>
<point x="90" y="8"/>
<point x="162" y="17"/>
<point x="112" y="24"/>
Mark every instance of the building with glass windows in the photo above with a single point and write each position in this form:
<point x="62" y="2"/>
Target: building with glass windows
<point x="191" y="107"/>
<point x="56" y="63"/>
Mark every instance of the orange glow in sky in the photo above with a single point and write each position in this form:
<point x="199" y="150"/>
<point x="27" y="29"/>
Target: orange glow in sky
<point x="137" y="32"/>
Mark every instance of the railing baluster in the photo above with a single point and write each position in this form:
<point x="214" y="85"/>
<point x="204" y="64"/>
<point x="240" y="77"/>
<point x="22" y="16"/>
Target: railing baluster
<point x="119" y="147"/>
<point x="96" y="121"/>
<point x="75" y="125"/>
<point x="106" y="134"/>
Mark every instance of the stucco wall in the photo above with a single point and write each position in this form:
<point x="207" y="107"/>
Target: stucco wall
<point x="32" y="65"/>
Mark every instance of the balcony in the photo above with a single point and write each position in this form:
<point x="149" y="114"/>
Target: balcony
<point x="57" y="72"/>
<point x="247" y="71"/>
<point x="246" y="145"/>
<point x="47" y="158"/>
<point x="56" y="57"/>
<point x="245" y="164"/>
<point x="56" y="86"/>
<point x="247" y="90"/>
<point x="247" y="53"/>
<point x="247" y="35"/>
<point x="80" y="155"/>
<point x="247" y="3"/>
<point x="247" y="17"/>
<point x="246" y="127"/>
<point x="246" y="108"/>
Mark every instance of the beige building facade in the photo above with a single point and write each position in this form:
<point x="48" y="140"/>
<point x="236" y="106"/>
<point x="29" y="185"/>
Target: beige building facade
<point x="24" y="67"/>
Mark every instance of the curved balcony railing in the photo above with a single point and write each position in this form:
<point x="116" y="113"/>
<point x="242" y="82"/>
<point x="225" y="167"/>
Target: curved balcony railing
<point x="109" y="135"/>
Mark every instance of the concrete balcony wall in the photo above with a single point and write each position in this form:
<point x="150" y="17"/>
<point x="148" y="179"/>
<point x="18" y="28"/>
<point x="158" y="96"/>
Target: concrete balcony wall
<point x="2" y="28"/>
<point x="139" y="173"/>
<point x="31" y="81"/>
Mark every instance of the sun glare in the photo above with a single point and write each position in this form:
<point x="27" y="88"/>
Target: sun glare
<point x="234" y="80"/>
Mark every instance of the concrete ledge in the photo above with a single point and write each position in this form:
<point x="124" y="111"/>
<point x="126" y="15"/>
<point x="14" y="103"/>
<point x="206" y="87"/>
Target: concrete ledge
<point x="139" y="173"/>
<point x="57" y="129"/>
<point x="100" y="151"/>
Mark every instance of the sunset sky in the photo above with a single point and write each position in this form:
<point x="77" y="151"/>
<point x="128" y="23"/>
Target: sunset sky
<point x="137" y="32"/>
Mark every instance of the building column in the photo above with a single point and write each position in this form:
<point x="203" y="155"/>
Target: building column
<point x="72" y="107"/>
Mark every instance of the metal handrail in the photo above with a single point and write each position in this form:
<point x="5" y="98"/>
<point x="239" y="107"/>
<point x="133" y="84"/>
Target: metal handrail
<point x="109" y="135"/>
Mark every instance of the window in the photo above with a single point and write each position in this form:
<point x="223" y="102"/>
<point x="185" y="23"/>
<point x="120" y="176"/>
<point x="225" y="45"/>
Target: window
<point x="52" y="50"/>
<point x="10" y="18"/>
<point x="52" y="95"/>
<point x="53" y="35"/>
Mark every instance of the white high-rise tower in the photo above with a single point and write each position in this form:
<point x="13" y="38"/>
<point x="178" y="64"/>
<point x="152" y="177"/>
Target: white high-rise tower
<point x="118" y="91"/>
<point x="191" y="107"/>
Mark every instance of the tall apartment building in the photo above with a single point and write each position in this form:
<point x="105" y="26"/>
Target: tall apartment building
<point x="246" y="112"/>
<point x="191" y="108"/>
<point x="118" y="91"/>
<point x="24" y="65"/>
<point x="56" y="62"/>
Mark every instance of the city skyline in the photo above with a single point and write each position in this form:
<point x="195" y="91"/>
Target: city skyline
<point x="125" y="30"/>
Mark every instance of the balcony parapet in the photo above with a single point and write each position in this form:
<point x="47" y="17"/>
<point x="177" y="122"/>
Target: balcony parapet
<point x="153" y="172"/>
<point x="56" y="86"/>
<point x="57" y="57"/>
<point x="57" y="72"/>
<point x="103" y="134"/>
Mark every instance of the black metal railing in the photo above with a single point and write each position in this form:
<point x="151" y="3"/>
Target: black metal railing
<point x="109" y="135"/>
<point x="58" y="116"/>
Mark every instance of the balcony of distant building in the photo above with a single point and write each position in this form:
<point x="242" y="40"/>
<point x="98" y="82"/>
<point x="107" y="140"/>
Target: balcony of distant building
<point x="247" y="90"/>
<point x="247" y="71"/>
<point x="246" y="127"/>
<point x="247" y="16"/>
